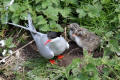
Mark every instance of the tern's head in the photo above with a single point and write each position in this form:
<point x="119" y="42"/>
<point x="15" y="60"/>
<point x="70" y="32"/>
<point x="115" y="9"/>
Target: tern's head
<point x="52" y="35"/>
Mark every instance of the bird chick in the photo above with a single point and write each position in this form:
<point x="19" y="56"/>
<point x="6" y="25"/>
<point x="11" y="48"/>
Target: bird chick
<point x="83" y="38"/>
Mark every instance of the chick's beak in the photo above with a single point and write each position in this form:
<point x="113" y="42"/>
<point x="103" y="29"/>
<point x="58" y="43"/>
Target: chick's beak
<point x="47" y="42"/>
<point x="73" y="35"/>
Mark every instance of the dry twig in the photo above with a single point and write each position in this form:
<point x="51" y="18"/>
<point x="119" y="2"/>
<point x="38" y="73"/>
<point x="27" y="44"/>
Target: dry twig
<point x="73" y="50"/>
<point x="3" y="60"/>
<point x="65" y="33"/>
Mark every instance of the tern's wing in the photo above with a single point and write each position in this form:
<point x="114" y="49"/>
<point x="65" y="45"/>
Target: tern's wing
<point x="31" y="26"/>
<point x="58" y="45"/>
<point x="44" y="50"/>
<point x="40" y="39"/>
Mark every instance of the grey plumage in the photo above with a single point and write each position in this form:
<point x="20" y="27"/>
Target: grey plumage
<point x="55" y="47"/>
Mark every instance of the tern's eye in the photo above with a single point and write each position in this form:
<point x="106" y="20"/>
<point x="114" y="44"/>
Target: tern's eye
<point x="71" y="29"/>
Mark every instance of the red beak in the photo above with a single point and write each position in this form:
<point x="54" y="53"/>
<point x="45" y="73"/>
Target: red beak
<point x="47" y="42"/>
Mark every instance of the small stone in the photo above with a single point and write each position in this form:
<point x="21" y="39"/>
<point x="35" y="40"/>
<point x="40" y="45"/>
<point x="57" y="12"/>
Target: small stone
<point x="10" y="51"/>
<point x="2" y="43"/>
<point x="4" y="52"/>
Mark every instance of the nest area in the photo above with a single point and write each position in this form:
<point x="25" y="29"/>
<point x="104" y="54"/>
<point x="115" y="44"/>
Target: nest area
<point x="24" y="52"/>
<point x="30" y="52"/>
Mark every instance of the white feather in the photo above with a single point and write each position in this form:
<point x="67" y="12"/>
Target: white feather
<point x="58" y="45"/>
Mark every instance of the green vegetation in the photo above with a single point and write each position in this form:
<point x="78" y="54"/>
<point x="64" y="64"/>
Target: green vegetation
<point x="99" y="16"/>
<point x="87" y="68"/>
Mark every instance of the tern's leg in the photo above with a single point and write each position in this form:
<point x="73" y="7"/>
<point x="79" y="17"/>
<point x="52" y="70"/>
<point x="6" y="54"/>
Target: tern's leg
<point x="52" y="61"/>
<point x="60" y="56"/>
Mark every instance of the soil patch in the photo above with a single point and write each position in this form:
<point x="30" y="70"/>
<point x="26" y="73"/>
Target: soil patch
<point x="73" y="52"/>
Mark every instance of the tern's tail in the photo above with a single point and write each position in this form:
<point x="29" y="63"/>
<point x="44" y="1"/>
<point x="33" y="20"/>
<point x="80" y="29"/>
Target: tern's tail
<point x="31" y="26"/>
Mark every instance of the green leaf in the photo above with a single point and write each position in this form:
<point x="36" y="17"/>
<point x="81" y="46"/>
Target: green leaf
<point x="56" y="2"/>
<point x="23" y="7"/>
<point x="15" y="18"/>
<point x="113" y="44"/>
<point x="117" y="8"/>
<point x="94" y="1"/>
<point x="1" y="9"/>
<point x="23" y="16"/>
<point x="5" y="2"/>
<point x="105" y="1"/>
<point x="9" y="43"/>
<point x="106" y="71"/>
<point x="93" y="10"/>
<point x="91" y="67"/>
<point x="83" y="76"/>
<point x="109" y="34"/>
<point x="59" y="28"/>
<point x="81" y="13"/>
<point x="37" y="1"/>
<point x="71" y="1"/>
<point x="65" y="12"/>
<point x="51" y="13"/>
<point x="52" y="24"/>
<point x="115" y="19"/>
<point x="44" y="28"/>
<point x="119" y="17"/>
<point x="55" y="27"/>
<point x="14" y="7"/>
<point x="105" y="60"/>
<point x="46" y="4"/>
<point x="38" y="8"/>
<point x="3" y="18"/>
<point x="40" y="20"/>
<point x="107" y="51"/>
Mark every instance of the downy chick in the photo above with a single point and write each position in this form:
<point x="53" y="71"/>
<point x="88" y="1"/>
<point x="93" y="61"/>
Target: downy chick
<point x="83" y="38"/>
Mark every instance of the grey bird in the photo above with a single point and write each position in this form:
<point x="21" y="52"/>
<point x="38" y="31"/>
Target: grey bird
<point x="49" y="45"/>
<point x="83" y="38"/>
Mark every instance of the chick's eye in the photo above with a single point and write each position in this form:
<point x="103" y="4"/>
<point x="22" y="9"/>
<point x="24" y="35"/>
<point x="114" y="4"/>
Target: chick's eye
<point x="79" y="30"/>
<point x="71" y="29"/>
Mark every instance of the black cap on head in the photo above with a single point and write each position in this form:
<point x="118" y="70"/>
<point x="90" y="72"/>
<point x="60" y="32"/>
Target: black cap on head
<point x="52" y="34"/>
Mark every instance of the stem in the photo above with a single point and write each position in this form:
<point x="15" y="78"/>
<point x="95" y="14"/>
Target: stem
<point x="108" y="77"/>
<point x="118" y="77"/>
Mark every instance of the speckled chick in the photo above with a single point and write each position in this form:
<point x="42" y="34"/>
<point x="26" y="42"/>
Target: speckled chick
<point x="83" y="38"/>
